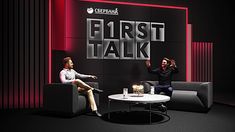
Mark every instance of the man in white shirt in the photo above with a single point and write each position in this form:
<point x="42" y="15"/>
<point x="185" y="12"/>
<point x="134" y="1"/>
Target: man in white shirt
<point x="69" y="75"/>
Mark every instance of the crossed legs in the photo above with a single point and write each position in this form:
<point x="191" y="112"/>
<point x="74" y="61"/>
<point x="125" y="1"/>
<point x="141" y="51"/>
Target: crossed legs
<point x="85" y="88"/>
<point x="82" y="86"/>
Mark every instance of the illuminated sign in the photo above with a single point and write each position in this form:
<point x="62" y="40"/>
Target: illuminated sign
<point x="122" y="35"/>
<point x="133" y="41"/>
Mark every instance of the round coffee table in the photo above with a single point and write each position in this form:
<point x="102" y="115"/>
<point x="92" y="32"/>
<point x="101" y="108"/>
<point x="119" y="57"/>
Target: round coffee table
<point x="143" y="99"/>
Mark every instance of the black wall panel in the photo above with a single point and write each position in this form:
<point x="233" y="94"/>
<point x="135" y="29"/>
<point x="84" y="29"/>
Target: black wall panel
<point x="24" y="52"/>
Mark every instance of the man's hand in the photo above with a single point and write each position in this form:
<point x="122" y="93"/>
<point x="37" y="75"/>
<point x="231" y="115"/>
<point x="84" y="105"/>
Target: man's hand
<point x="173" y="63"/>
<point x="93" y="77"/>
<point x="148" y="64"/>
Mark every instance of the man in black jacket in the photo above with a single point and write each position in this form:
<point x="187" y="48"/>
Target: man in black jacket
<point x="164" y="72"/>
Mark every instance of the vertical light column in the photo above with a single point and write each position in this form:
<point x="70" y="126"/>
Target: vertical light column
<point x="189" y="53"/>
<point x="202" y="61"/>
<point x="24" y="53"/>
<point x="49" y="40"/>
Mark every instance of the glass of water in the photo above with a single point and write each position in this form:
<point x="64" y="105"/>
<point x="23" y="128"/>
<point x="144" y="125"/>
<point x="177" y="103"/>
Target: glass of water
<point x="152" y="90"/>
<point x="125" y="92"/>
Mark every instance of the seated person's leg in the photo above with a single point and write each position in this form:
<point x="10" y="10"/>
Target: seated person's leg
<point x="91" y="100"/>
<point x="81" y="90"/>
<point x="82" y="84"/>
<point x="169" y="91"/>
<point x="85" y="86"/>
<point x="166" y="91"/>
<point x="157" y="90"/>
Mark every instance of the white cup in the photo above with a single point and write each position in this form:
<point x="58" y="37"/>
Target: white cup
<point x="125" y="92"/>
<point x="152" y="90"/>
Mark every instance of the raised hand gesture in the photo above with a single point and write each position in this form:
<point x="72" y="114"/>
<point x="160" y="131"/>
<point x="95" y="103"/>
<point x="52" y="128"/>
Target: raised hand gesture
<point x="148" y="64"/>
<point x="173" y="64"/>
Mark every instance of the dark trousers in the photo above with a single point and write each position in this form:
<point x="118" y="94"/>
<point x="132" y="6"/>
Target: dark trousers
<point x="166" y="89"/>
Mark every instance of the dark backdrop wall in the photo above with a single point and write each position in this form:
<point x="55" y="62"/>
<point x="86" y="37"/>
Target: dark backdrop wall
<point x="114" y="74"/>
<point x="24" y="53"/>
<point x="24" y="40"/>
<point x="211" y="21"/>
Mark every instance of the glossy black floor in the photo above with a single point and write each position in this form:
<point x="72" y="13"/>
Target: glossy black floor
<point x="220" y="118"/>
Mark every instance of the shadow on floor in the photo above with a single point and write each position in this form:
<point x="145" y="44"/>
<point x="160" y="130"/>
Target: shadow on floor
<point x="135" y="117"/>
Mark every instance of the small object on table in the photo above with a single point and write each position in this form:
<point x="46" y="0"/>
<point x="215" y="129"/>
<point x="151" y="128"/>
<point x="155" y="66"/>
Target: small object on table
<point x="138" y="90"/>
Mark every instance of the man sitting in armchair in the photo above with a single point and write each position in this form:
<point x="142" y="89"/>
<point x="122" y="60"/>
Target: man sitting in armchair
<point x="69" y="75"/>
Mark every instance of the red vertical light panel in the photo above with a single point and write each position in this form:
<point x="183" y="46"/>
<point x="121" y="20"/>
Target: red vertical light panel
<point x="202" y="61"/>
<point x="189" y="54"/>
<point x="49" y="39"/>
<point x="56" y="29"/>
<point x="57" y="24"/>
<point x="68" y="24"/>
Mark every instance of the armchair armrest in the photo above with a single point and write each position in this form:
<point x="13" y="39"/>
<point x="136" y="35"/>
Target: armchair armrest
<point x="60" y="97"/>
<point x="206" y="93"/>
<point x="204" y="90"/>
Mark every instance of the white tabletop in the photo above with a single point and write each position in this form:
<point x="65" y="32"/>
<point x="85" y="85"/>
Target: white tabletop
<point x="146" y="98"/>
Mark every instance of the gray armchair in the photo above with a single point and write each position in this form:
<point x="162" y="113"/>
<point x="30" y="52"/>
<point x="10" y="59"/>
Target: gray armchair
<point x="65" y="99"/>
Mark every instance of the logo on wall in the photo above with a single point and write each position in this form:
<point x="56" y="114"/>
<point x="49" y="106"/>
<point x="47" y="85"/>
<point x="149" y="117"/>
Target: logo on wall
<point x="102" y="11"/>
<point x="132" y="42"/>
<point x="90" y="10"/>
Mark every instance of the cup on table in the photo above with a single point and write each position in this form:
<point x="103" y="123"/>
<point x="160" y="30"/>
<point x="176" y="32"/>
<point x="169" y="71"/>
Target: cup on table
<point x="152" y="90"/>
<point x="125" y="92"/>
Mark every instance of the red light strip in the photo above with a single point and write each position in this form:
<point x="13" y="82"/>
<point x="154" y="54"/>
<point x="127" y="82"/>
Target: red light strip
<point x="136" y="4"/>
<point x="188" y="51"/>
<point x="49" y="43"/>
